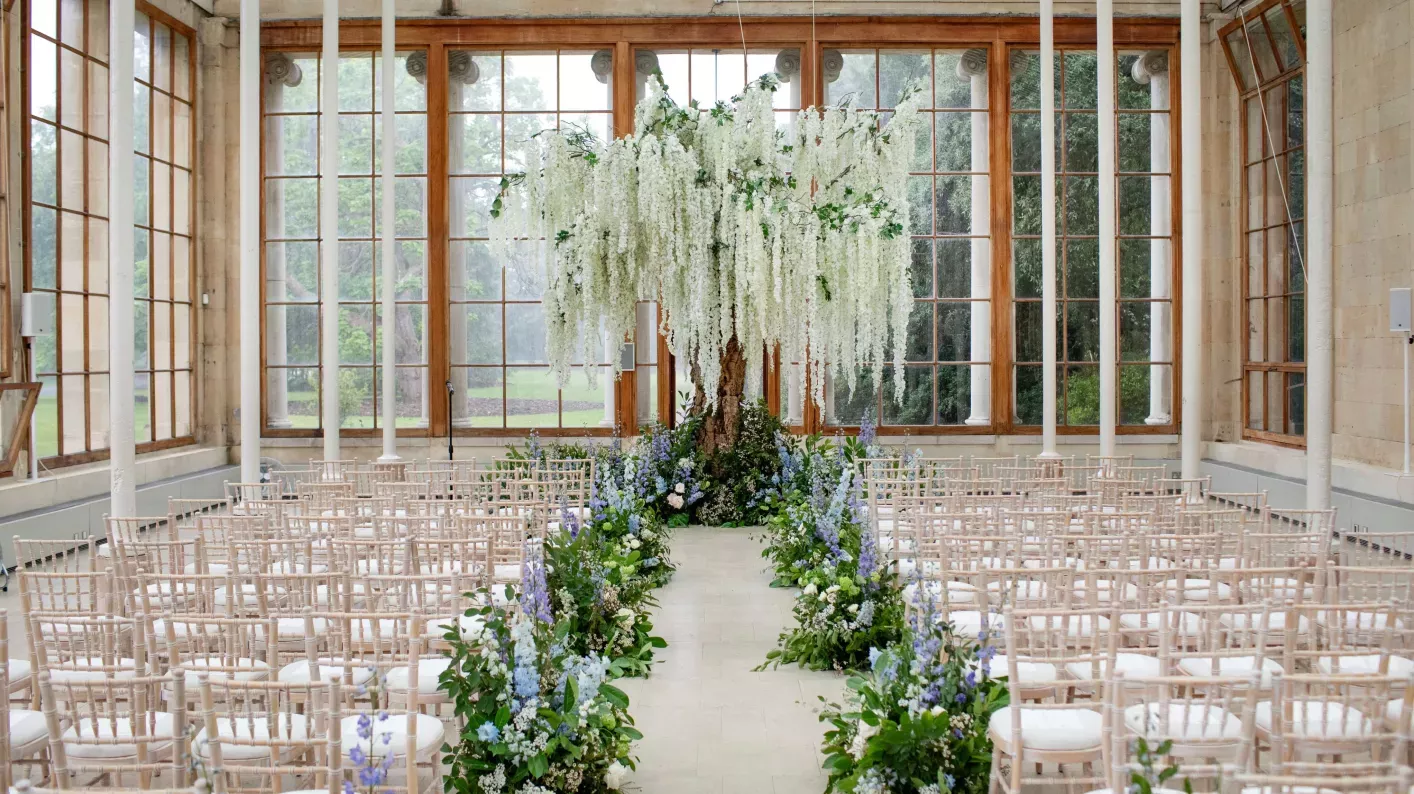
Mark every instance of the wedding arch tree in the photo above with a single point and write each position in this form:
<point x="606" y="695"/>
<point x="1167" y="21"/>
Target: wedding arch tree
<point x="749" y="236"/>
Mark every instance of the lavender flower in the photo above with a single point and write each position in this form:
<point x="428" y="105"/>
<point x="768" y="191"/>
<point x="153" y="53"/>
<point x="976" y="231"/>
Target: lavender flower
<point x="535" y="593"/>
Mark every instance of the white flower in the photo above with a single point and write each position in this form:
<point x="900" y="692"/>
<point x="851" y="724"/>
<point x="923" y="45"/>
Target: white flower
<point x="679" y="488"/>
<point x="675" y="500"/>
<point x="634" y="543"/>
<point x="810" y="589"/>
<point x="614" y="775"/>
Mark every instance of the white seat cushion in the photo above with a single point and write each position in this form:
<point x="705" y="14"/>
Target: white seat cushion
<point x="1075" y="626"/>
<point x="1288" y="790"/>
<point x="1028" y="589"/>
<point x="1355" y="620"/>
<point x="298" y="672"/>
<point x="246" y="670"/>
<point x="288" y="727"/>
<point x="18" y="670"/>
<point x="27" y="727"/>
<point x="1282" y="588"/>
<point x="429" y="672"/>
<point x="179" y="628"/>
<point x="292" y="628"/>
<point x="429" y="735"/>
<point x="1318" y="720"/>
<point x="507" y="572"/>
<point x="287" y="567"/>
<point x="907" y="567"/>
<point x="217" y="568"/>
<point x="1183" y="721"/>
<point x="364" y="629"/>
<point x="1189" y="624"/>
<point x="1229" y="666"/>
<point x="1132" y="665"/>
<point x="160" y="727"/>
<point x="248" y="596"/>
<point x="1198" y="589"/>
<point x="888" y="543"/>
<point x="958" y="592"/>
<point x="968" y="622"/>
<point x="1048" y="729"/>
<point x="1276" y="623"/>
<point x="1365" y="664"/>
<point x="1026" y="672"/>
<point x="90" y="669"/>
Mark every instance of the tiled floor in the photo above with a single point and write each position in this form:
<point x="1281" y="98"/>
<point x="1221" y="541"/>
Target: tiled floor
<point x="710" y="724"/>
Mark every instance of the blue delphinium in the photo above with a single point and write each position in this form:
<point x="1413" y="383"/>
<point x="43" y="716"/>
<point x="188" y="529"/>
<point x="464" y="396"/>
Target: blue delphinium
<point x="535" y="593"/>
<point x="488" y="732"/>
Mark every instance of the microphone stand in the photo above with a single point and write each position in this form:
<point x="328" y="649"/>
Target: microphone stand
<point x="450" y="391"/>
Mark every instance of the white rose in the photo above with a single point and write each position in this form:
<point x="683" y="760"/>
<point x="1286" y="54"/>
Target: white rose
<point x="680" y="488"/>
<point x="634" y="543"/>
<point x="810" y="589"/>
<point x="615" y="774"/>
<point x="675" y="500"/>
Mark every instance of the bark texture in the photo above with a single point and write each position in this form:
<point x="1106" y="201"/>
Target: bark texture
<point x="719" y="429"/>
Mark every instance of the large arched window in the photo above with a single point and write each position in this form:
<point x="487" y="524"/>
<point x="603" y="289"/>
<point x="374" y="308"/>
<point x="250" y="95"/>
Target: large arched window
<point x="1266" y="52"/>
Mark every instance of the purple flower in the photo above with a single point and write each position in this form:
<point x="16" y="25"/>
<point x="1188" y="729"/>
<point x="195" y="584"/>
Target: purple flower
<point x="867" y="431"/>
<point x="535" y="594"/>
<point x="357" y="755"/>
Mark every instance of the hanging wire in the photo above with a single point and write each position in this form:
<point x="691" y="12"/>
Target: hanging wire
<point x="1271" y="139"/>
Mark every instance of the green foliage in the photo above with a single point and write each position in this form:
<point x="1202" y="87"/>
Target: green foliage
<point x="1149" y="778"/>
<point x="745" y="469"/>
<point x="533" y="711"/>
<point x="600" y="589"/>
<point x="917" y="718"/>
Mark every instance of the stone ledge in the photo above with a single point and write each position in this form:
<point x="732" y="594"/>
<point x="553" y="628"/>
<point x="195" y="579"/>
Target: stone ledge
<point x="74" y="483"/>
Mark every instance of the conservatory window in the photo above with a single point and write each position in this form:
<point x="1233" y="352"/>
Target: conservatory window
<point x="1267" y="58"/>
<point x="292" y="352"/>
<point x="497" y="101"/>
<point x="948" y="375"/>
<point x="1145" y="244"/>
<point x="67" y="234"/>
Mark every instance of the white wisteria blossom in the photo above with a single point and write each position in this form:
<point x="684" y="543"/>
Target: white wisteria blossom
<point x="791" y="236"/>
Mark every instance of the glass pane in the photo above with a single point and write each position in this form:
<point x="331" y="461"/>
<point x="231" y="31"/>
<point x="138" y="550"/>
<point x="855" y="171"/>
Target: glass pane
<point x="955" y="393"/>
<point x="1080" y="402"/>
<point x="955" y="266"/>
<point x="586" y="80"/>
<point x="531" y="81"/>
<point x="921" y="268"/>
<point x="525" y="333"/>
<point x="410" y="394"/>
<point x="532" y="397"/>
<point x="484" y="403"/>
<point x="1078" y="77"/>
<point x="292" y="398"/>
<point x="955" y="329"/>
<point x="356" y="334"/>
<point x="856" y="81"/>
<point x="356" y="400"/>
<point x="900" y="69"/>
<point x="484" y="91"/>
<point x="1030" y="396"/>
<point x="917" y="407"/>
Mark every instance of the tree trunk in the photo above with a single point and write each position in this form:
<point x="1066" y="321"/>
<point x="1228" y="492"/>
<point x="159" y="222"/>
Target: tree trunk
<point x="719" y="428"/>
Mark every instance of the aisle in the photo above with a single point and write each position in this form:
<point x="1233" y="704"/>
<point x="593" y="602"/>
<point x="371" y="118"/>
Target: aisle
<point x="710" y="724"/>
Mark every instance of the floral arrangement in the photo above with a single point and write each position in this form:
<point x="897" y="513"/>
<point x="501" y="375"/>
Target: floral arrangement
<point x="598" y="586"/>
<point x="848" y="602"/>
<point x="916" y="721"/>
<point x="668" y="471"/>
<point x="740" y="230"/>
<point x="537" y="717"/>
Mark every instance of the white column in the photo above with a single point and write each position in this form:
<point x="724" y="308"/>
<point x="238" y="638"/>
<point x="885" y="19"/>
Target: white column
<point x="329" y="230"/>
<point x="390" y="246"/>
<point x="1048" y="228"/>
<point x="1191" y="85"/>
<point x="973" y="66"/>
<point x="1153" y="69"/>
<point x="1105" y="56"/>
<point x="1320" y="154"/>
<point x="250" y="242"/>
<point x="795" y="393"/>
<point x="123" y="461"/>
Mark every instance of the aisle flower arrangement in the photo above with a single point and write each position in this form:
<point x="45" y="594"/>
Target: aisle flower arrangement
<point x="537" y="717"/>
<point x="818" y="539"/>
<point x="915" y="722"/>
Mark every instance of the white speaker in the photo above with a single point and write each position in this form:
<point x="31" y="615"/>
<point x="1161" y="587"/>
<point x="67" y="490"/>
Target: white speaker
<point x="1401" y="310"/>
<point x="36" y="314"/>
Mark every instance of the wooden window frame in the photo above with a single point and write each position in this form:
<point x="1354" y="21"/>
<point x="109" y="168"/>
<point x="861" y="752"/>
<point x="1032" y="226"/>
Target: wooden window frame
<point x="1261" y="90"/>
<point x="998" y="34"/>
<point x="90" y="454"/>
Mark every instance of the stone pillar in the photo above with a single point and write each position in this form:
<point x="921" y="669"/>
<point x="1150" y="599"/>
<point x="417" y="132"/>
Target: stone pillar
<point x="461" y="72"/>
<point x="331" y="415"/>
<point x="1048" y="230"/>
<point x="1152" y="69"/>
<point x="1191" y="41"/>
<point x="973" y="67"/>
<point x="280" y="73"/>
<point x="389" y="242"/>
<point x="1320" y="216"/>
<point x="250" y="243"/>
<point x="1109" y="281"/>
<point x="122" y="464"/>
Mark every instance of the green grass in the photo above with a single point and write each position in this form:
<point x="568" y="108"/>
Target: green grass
<point x="46" y="421"/>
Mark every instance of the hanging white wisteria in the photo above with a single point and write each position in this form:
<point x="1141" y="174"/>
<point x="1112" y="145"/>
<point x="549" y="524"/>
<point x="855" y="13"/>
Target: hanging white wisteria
<point x="737" y="227"/>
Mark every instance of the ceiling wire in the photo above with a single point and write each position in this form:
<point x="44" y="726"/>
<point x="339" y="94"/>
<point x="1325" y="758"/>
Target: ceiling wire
<point x="1271" y="139"/>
